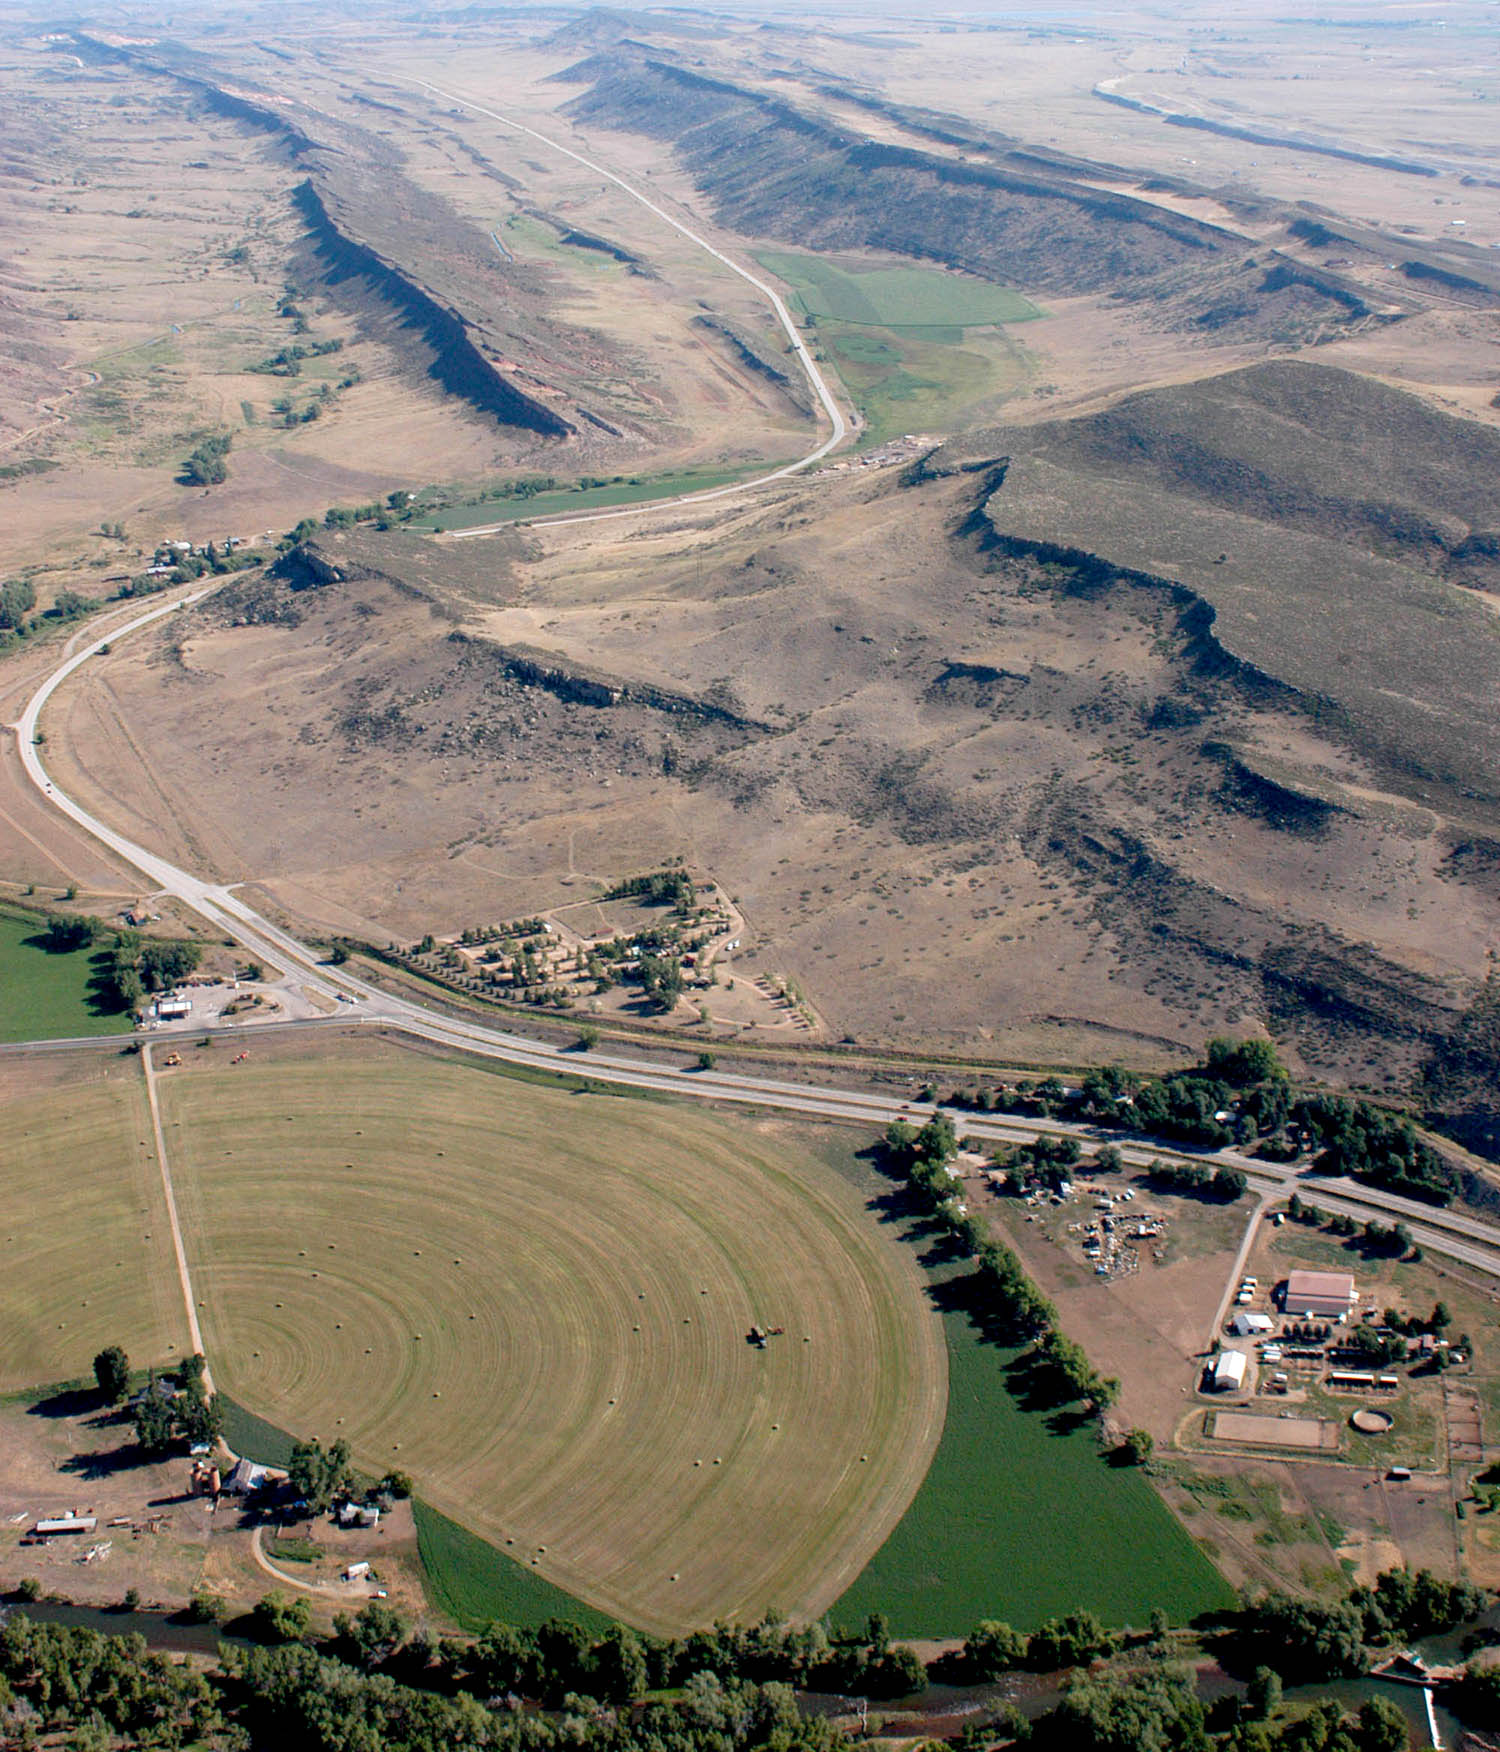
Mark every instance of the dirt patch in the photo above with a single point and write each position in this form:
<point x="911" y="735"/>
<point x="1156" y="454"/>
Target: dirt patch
<point x="62" y="1454"/>
<point x="1256" y="1431"/>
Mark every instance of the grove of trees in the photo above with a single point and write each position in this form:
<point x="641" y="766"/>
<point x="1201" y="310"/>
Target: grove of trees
<point x="1239" y="1095"/>
<point x="1009" y="1299"/>
<point x="558" y="1687"/>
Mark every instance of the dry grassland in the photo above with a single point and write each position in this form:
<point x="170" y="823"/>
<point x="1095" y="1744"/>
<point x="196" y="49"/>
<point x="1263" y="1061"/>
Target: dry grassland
<point x="157" y="242"/>
<point x="537" y="1303"/>
<point x="912" y="840"/>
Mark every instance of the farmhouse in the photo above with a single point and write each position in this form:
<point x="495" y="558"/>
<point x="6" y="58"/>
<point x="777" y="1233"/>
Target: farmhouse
<point x="247" y="1476"/>
<point x="1229" y="1371"/>
<point x="1320" y="1295"/>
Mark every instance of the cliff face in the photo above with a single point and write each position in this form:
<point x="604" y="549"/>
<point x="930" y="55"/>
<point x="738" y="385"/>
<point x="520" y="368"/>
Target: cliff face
<point x="1004" y="211"/>
<point x="774" y="171"/>
<point x="457" y="365"/>
<point x="429" y="282"/>
<point x="1322" y="536"/>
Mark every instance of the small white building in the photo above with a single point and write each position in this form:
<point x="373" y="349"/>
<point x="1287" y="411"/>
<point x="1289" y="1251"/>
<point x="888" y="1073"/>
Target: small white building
<point x="1229" y="1371"/>
<point x="173" y="1009"/>
<point x="1244" y="1325"/>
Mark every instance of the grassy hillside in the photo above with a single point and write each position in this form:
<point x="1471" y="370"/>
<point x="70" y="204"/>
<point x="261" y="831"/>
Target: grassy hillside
<point x="1312" y="448"/>
<point x="1320" y="518"/>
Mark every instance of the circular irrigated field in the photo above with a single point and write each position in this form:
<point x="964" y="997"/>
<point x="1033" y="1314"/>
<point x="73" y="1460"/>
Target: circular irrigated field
<point x="537" y="1302"/>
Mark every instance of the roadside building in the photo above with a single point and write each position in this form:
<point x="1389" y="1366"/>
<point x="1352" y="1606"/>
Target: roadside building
<point x="1319" y="1295"/>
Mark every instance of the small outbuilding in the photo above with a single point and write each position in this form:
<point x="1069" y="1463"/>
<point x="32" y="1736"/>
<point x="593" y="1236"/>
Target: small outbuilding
<point x="1229" y="1371"/>
<point x="54" y="1524"/>
<point x="1244" y="1324"/>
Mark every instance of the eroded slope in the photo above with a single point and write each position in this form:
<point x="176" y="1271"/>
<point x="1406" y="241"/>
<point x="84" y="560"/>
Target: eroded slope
<point x="965" y="789"/>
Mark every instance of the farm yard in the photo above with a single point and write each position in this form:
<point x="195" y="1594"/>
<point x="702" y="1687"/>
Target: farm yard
<point x="538" y="1303"/>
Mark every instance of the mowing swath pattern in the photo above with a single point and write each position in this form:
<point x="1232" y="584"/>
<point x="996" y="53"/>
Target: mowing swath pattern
<point x="85" y="1252"/>
<point x="476" y="1585"/>
<point x="525" y="1234"/>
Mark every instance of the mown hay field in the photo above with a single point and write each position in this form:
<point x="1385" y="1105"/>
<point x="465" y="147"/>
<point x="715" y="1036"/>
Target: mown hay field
<point x="536" y="1302"/>
<point x="85" y="1249"/>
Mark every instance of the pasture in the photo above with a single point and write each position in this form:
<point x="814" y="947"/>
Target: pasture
<point x="895" y="297"/>
<point x="45" y="996"/>
<point x="1021" y="1519"/>
<point x="908" y="342"/>
<point x="474" y="1584"/>
<point x="536" y="1302"/>
<point x="85" y="1251"/>
<point x="572" y="501"/>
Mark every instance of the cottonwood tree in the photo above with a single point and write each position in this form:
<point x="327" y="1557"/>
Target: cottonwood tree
<point x="112" y="1372"/>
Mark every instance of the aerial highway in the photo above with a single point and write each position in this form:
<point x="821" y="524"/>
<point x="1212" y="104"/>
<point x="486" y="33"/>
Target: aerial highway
<point x="1456" y="1234"/>
<point x="816" y="380"/>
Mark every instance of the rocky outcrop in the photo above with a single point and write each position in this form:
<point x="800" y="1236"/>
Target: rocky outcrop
<point x="457" y="364"/>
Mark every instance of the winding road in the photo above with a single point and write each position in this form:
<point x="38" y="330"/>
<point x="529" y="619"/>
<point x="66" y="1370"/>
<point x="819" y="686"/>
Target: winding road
<point x="1455" y="1234"/>
<point x="816" y="380"/>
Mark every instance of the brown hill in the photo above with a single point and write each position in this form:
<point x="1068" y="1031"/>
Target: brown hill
<point x="970" y="788"/>
<point x="1024" y="218"/>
